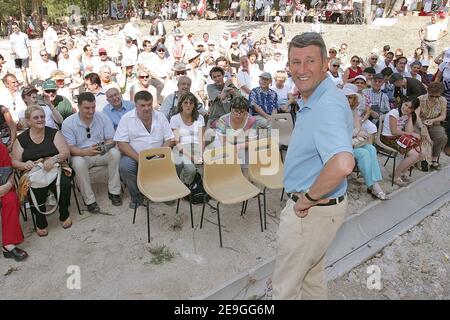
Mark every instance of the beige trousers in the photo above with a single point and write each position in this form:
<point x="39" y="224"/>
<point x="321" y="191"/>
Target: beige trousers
<point x="81" y="165"/>
<point x="302" y="244"/>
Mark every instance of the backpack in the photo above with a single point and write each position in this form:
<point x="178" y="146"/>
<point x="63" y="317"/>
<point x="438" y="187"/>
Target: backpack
<point x="198" y="194"/>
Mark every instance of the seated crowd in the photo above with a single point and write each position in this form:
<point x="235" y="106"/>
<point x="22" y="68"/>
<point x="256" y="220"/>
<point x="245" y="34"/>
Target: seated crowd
<point x="176" y="94"/>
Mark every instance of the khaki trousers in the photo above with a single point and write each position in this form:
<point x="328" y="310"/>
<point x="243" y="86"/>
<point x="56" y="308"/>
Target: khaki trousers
<point x="81" y="165"/>
<point x="302" y="244"/>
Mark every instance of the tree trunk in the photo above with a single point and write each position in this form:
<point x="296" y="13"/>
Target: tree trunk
<point x="22" y="15"/>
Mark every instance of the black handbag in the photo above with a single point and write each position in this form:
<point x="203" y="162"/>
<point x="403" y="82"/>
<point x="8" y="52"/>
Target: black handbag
<point x="5" y="173"/>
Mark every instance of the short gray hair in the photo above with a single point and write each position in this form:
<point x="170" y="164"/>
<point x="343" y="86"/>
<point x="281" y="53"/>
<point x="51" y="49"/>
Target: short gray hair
<point x="415" y="63"/>
<point x="309" y="39"/>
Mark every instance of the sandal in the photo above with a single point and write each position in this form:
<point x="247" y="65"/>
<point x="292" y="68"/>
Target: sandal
<point x="16" y="254"/>
<point x="435" y="165"/>
<point x="41" y="232"/>
<point x="380" y="195"/>
<point x="67" y="224"/>
<point x="398" y="181"/>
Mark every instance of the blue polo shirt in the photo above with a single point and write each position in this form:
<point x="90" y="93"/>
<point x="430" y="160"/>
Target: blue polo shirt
<point x="116" y="114"/>
<point x="323" y="128"/>
<point x="76" y="132"/>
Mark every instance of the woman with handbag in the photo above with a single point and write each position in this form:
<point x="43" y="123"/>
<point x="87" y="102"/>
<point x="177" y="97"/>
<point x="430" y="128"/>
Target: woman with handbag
<point x="37" y="143"/>
<point x="398" y="133"/>
<point x="364" y="152"/>
<point x="12" y="233"/>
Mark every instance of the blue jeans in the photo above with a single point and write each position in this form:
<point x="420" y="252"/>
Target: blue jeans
<point x="367" y="161"/>
<point x="128" y="173"/>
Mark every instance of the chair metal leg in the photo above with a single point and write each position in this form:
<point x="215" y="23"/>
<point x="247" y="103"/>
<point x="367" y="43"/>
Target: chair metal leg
<point x="387" y="159"/>
<point x="393" y="171"/>
<point x="265" y="209"/>
<point x="76" y="199"/>
<point x="23" y="212"/>
<point x="245" y="208"/>
<point x="242" y="210"/>
<point x="220" y="227"/>
<point x="135" y="209"/>
<point x="203" y="211"/>
<point x="178" y="205"/>
<point x="282" y="195"/>
<point x="192" y="216"/>
<point x="148" y="221"/>
<point x="260" y="215"/>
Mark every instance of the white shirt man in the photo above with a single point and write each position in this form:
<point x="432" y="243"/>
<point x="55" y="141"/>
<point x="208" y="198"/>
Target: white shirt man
<point x="129" y="53"/>
<point x="69" y="65"/>
<point x="20" y="45"/>
<point x="276" y="64"/>
<point x="11" y="98"/>
<point x="50" y="38"/>
<point x="103" y="61"/>
<point x="44" y="67"/>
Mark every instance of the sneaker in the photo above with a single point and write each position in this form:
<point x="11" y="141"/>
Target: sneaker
<point x="424" y="166"/>
<point x="93" y="208"/>
<point x="116" y="200"/>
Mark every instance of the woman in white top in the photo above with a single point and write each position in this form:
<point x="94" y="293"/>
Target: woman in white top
<point x="188" y="127"/>
<point x="283" y="90"/>
<point x="334" y="73"/>
<point x="398" y="122"/>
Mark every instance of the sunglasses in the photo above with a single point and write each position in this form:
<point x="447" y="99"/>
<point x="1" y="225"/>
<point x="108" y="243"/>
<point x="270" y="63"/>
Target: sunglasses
<point x="144" y="77"/>
<point x="50" y="91"/>
<point x="43" y="55"/>
<point x="355" y="61"/>
<point x="161" y="50"/>
<point x="332" y="51"/>
<point x="88" y="132"/>
<point x="103" y="54"/>
<point x="336" y="65"/>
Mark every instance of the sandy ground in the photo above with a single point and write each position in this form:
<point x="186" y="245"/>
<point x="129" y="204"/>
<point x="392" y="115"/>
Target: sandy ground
<point x="415" y="266"/>
<point x="113" y="254"/>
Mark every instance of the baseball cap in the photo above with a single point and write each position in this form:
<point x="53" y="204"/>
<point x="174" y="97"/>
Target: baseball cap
<point x="361" y="77"/>
<point x="101" y="50"/>
<point x="395" y="77"/>
<point x="234" y="34"/>
<point x="160" y="46"/>
<point x="378" y="76"/>
<point x="49" y="85"/>
<point x="27" y="90"/>
<point x="369" y="70"/>
<point x="266" y="75"/>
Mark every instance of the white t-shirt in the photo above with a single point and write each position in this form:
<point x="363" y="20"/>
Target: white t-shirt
<point x="243" y="79"/>
<point x="337" y="81"/>
<point x="188" y="134"/>
<point x="129" y="55"/>
<point x="69" y="66"/>
<point x="14" y="103"/>
<point x="444" y="67"/>
<point x="432" y="31"/>
<point x="401" y="122"/>
<point x="45" y="69"/>
<point x="20" y="44"/>
<point x="282" y="93"/>
<point x="50" y="37"/>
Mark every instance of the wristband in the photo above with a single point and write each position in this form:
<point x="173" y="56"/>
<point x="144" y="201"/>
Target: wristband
<point x="309" y="198"/>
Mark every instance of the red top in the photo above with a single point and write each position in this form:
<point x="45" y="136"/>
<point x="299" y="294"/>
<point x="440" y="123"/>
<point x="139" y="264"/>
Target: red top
<point x="352" y="74"/>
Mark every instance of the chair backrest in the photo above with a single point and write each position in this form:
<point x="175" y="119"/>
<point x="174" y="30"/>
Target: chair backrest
<point x="156" y="164"/>
<point x="283" y="122"/>
<point x="264" y="159"/>
<point x="221" y="165"/>
<point x="380" y="129"/>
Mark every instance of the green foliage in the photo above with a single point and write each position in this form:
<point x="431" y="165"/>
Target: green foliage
<point x="161" y="254"/>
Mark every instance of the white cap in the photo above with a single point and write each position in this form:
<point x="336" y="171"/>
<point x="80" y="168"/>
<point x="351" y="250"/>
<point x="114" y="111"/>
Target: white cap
<point x="350" y="89"/>
<point x="425" y="63"/>
<point x="447" y="55"/>
<point x="361" y="77"/>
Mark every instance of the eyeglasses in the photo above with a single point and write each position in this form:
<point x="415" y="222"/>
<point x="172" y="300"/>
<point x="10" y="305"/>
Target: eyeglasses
<point x="50" y="91"/>
<point x="237" y="112"/>
<point x="336" y="65"/>
<point x="144" y="77"/>
<point x="433" y="96"/>
<point x="88" y="132"/>
<point x="355" y="61"/>
<point x="38" y="117"/>
<point x="332" y="51"/>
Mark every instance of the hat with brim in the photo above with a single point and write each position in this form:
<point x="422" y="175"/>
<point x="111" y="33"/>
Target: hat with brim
<point x="361" y="77"/>
<point x="349" y="89"/>
<point x="266" y="75"/>
<point x="49" y="85"/>
<point x="378" y="76"/>
<point x="447" y="56"/>
<point x="192" y="55"/>
<point x="28" y="90"/>
<point x="395" y="77"/>
<point x="58" y="75"/>
<point x="179" y="67"/>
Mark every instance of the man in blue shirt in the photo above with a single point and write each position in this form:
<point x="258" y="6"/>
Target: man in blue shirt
<point x="263" y="101"/>
<point x="319" y="158"/>
<point x="116" y="106"/>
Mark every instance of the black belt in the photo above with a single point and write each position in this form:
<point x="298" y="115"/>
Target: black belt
<point x="429" y="40"/>
<point x="332" y="202"/>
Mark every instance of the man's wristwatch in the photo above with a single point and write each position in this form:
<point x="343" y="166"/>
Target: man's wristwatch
<point x="309" y="198"/>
